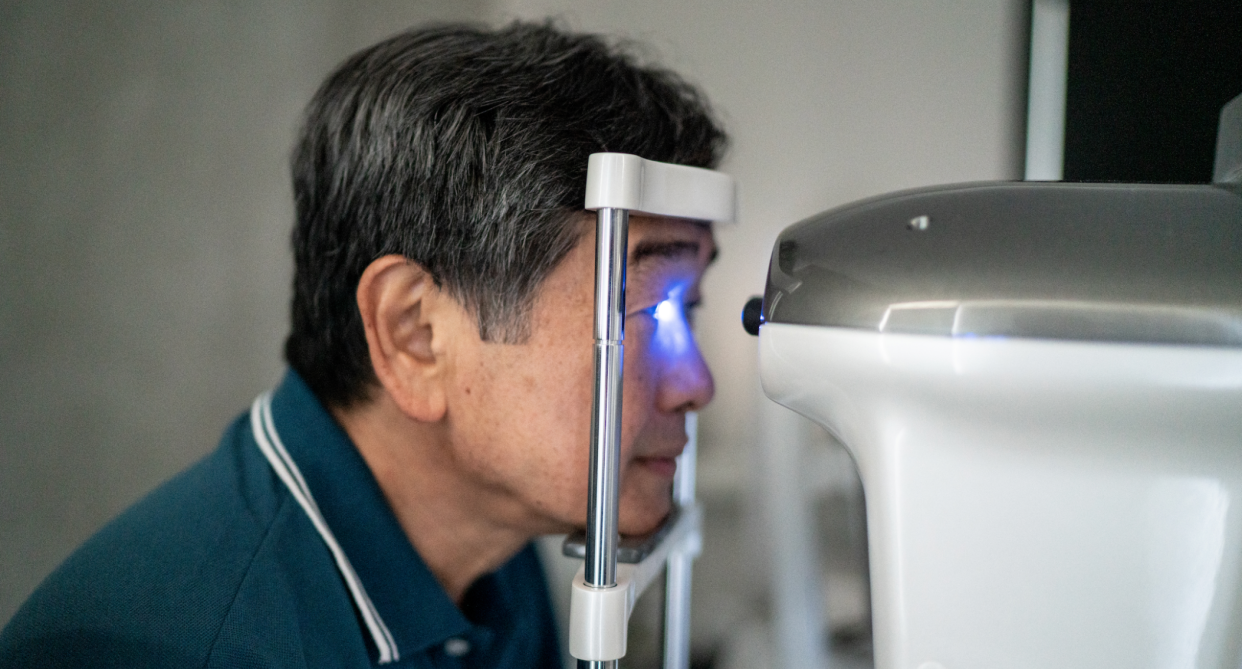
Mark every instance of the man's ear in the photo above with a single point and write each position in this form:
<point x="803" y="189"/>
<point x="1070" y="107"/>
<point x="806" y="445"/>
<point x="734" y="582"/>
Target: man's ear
<point x="398" y="301"/>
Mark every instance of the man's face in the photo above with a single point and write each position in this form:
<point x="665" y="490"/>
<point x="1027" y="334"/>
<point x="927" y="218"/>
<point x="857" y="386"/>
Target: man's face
<point x="520" y="413"/>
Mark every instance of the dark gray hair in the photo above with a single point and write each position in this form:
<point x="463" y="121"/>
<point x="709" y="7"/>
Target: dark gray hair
<point x="464" y="149"/>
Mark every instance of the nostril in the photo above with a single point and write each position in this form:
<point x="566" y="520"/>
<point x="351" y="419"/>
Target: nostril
<point x="752" y="315"/>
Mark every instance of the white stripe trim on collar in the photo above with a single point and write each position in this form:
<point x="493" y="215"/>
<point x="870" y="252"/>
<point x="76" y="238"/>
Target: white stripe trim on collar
<point x="274" y="450"/>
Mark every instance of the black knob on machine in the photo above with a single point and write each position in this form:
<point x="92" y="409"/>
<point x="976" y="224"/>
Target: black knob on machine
<point x="752" y="315"/>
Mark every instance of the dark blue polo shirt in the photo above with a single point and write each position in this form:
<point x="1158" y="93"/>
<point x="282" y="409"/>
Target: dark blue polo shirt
<point x="221" y="567"/>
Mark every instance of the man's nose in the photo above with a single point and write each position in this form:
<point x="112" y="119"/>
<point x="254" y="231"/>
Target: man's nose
<point x="686" y="383"/>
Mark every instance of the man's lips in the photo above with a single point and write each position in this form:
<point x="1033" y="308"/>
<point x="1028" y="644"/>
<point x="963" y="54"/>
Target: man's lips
<point x="662" y="466"/>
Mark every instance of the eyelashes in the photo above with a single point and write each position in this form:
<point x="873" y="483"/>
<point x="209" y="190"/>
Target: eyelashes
<point x="687" y="308"/>
<point x="668" y="309"/>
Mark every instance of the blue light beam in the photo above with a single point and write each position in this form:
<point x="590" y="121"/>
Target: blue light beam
<point x="672" y="336"/>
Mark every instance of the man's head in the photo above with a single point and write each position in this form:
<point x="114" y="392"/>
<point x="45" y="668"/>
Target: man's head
<point x="444" y="169"/>
<point x="464" y="150"/>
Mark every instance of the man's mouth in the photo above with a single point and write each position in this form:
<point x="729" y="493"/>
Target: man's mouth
<point x="661" y="466"/>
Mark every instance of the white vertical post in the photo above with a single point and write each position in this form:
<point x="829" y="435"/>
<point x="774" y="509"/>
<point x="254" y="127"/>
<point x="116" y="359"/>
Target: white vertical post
<point x="680" y="562"/>
<point x="1045" y="110"/>
<point x="1228" y="168"/>
<point x="797" y="589"/>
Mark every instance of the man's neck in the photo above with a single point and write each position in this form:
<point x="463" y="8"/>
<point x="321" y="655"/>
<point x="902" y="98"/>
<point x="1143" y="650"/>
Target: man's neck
<point x="456" y="527"/>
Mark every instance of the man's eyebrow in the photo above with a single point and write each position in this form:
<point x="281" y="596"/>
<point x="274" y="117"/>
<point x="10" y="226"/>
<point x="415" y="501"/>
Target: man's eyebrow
<point x="668" y="249"/>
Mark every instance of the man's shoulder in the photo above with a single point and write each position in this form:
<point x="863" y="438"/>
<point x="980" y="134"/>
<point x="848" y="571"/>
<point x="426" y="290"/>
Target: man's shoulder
<point x="158" y="584"/>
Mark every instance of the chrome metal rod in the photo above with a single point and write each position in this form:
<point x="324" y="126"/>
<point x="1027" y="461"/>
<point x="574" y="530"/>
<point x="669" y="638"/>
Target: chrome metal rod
<point x="612" y="228"/>
<point x="598" y="664"/>
<point x="611" y="235"/>
<point x="601" y="539"/>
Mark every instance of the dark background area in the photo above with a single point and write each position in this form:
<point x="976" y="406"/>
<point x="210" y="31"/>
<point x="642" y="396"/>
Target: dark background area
<point x="1147" y="79"/>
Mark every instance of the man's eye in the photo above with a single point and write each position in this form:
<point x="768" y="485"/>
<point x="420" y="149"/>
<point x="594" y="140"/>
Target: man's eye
<point x="649" y="312"/>
<point x="670" y="310"/>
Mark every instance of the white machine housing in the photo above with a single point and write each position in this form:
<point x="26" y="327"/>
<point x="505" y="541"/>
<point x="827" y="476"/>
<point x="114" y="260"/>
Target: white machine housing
<point x="1041" y="385"/>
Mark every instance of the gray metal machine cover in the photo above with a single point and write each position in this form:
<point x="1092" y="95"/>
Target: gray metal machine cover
<point x="1111" y="262"/>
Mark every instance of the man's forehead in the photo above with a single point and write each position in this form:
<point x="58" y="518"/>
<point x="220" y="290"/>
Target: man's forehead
<point x="665" y="238"/>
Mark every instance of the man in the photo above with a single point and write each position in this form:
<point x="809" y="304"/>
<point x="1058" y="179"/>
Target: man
<point x="378" y="507"/>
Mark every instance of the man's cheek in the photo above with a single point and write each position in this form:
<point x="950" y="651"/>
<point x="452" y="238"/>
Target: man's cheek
<point x="640" y="371"/>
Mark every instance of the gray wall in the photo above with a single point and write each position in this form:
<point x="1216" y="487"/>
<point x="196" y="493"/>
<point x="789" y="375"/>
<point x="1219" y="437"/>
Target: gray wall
<point x="144" y="216"/>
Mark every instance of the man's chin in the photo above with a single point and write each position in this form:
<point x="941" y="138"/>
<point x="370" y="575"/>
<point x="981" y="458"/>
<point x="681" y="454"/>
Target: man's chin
<point x="644" y="521"/>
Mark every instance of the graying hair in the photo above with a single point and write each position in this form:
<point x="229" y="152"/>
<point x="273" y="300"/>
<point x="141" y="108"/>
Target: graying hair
<point x="464" y="150"/>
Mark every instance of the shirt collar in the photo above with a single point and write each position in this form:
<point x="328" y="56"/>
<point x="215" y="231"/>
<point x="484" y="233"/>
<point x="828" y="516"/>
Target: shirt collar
<point x="416" y="609"/>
